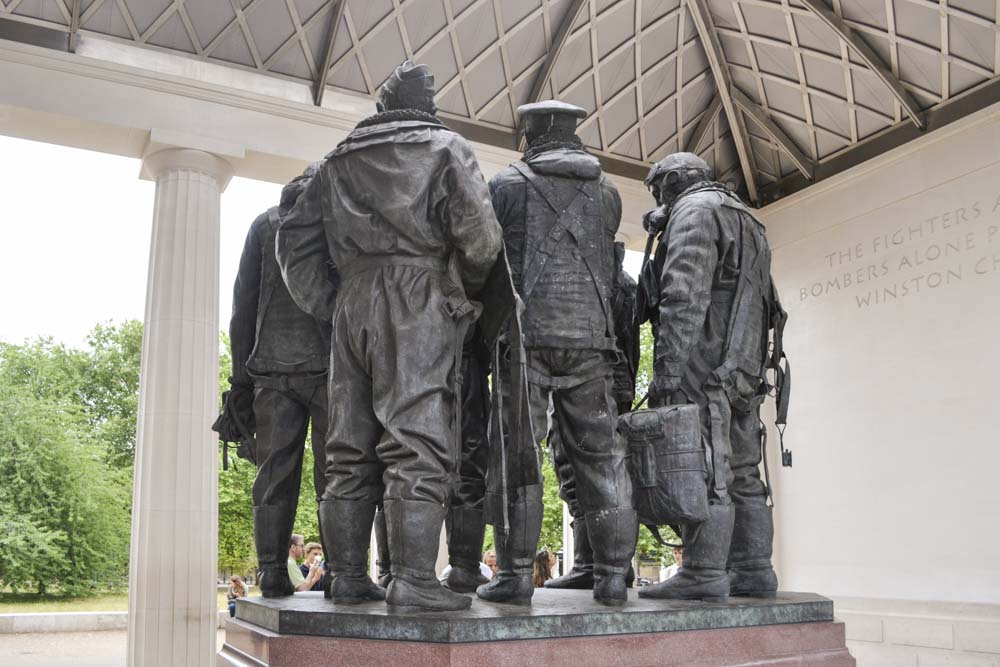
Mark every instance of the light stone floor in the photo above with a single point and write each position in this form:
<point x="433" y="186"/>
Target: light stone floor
<point x="68" y="649"/>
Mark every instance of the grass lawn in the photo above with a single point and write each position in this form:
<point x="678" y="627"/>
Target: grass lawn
<point x="30" y="603"/>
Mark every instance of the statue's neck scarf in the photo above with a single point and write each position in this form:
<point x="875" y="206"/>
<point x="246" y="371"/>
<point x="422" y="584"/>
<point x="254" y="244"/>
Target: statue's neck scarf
<point x="554" y="139"/>
<point x="397" y="115"/>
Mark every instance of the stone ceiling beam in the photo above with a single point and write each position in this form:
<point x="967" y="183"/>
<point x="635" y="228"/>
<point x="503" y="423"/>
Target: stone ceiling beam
<point x="704" y="125"/>
<point x="74" y="25"/>
<point x="724" y="85"/>
<point x="804" y="164"/>
<point x="558" y="42"/>
<point x="970" y="102"/>
<point x="336" y="18"/>
<point x="871" y="59"/>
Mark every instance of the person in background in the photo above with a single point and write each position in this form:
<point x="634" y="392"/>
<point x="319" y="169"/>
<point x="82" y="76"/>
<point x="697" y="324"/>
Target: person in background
<point x="544" y="562"/>
<point x="671" y="570"/>
<point x="490" y="560"/>
<point x="237" y="589"/>
<point x="297" y="550"/>
<point x="483" y="569"/>
<point x="314" y="554"/>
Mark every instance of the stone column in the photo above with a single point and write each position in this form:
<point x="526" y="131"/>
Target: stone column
<point x="173" y="612"/>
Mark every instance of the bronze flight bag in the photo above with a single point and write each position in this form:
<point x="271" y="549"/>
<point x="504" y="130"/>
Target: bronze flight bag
<point x="666" y="460"/>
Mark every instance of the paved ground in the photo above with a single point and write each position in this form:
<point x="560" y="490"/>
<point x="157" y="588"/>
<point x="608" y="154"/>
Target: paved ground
<point x="68" y="649"/>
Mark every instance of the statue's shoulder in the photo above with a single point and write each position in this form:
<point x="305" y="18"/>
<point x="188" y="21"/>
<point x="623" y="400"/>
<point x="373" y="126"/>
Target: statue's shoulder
<point x="608" y="185"/>
<point x="507" y="177"/>
<point x="264" y="218"/>
<point x="702" y="199"/>
<point x="261" y="225"/>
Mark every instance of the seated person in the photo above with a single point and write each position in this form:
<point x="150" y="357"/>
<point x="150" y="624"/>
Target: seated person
<point x="237" y="589"/>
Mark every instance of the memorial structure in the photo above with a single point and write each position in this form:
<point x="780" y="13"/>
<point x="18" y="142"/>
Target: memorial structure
<point x="350" y="249"/>
<point x="863" y="133"/>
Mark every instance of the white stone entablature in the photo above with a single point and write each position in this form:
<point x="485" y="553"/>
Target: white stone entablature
<point x="111" y="97"/>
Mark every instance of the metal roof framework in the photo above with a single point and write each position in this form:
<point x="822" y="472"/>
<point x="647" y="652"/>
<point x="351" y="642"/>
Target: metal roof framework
<point x="775" y="94"/>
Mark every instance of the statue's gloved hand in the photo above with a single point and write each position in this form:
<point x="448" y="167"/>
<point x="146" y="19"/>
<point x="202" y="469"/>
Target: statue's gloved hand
<point x="236" y="423"/>
<point x="241" y="401"/>
<point x="655" y="220"/>
<point x="661" y="389"/>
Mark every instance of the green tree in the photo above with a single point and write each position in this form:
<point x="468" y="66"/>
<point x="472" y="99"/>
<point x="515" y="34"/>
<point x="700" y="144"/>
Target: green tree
<point x="64" y="512"/>
<point x="67" y="440"/>
<point x="102" y="381"/>
<point x="552" y="521"/>
<point x="236" y="551"/>
<point x="110" y="389"/>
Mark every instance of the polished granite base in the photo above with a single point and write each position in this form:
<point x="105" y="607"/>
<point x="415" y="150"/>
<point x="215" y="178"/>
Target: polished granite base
<point x="560" y="627"/>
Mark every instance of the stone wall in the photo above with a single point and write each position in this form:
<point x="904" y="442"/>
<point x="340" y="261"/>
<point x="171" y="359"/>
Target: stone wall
<point x="920" y="634"/>
<point x="891" y="276"/>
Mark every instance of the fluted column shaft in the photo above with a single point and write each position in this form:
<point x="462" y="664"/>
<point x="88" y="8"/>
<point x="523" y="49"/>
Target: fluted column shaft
<point x="172" y="593"/>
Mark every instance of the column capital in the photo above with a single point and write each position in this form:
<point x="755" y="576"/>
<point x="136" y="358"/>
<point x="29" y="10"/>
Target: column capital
<point x="163" y="160"/>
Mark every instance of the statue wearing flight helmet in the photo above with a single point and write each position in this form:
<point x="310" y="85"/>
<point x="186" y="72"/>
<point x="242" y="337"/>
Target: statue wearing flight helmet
<point x="709" y="295"/>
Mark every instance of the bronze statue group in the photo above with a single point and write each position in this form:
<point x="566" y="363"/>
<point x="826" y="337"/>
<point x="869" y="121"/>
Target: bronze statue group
<point x="436" y="330"/>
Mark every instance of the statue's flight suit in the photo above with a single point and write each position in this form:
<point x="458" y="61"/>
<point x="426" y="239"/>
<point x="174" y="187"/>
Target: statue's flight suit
<point x="404" y="212"/>
<point x="465" y="519"/>
<point x="716" y="306"/>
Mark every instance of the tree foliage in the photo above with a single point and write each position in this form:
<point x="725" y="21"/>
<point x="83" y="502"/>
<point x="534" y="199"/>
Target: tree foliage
<point x="67" y="442"/>
<point x="110" y="390"/>
<point x="64" y="512"/>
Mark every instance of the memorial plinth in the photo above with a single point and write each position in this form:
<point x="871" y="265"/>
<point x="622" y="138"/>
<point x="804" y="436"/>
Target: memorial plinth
<point x="561" y="627"/>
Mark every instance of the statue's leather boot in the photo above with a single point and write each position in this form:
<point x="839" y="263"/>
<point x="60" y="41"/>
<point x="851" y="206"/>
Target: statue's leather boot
<point x="384" y="561"/>
<point x="347" y="527"/>
<point x="414" y="527"/>
<point x="750" y="571"/>
<point x="466" y="528"/>
<point x="516" y="550"/>
<point x="327" y="579"/>
<point x="613" y="533"/>
<point x="272" y="536"/>
<point x="581" y="575"/>
<point x="706" y="549"/>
